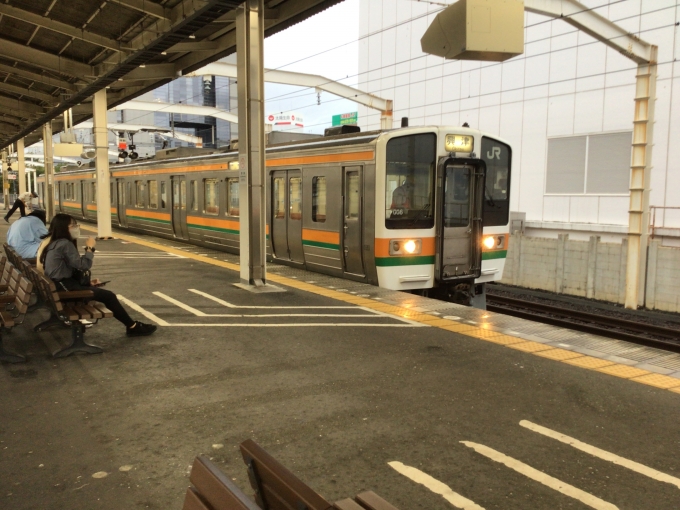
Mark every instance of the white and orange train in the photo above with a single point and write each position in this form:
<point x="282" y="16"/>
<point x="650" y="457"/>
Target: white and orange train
<point x="423" y="209"/>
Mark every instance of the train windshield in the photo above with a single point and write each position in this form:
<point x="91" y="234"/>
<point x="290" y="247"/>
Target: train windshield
<point x="497" y="157"/>
<point x="409" y="181"/>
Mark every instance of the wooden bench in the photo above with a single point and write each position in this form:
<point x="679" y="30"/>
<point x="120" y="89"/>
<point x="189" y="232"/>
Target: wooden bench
<point x="276" y="488"/>
<point x="70" y="308"/>
<point x="19" y="299"/>
<point x="16" y="259"/>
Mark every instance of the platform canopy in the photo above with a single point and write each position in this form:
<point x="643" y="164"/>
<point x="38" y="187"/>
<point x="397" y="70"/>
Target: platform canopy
<point x="55" y="54"/>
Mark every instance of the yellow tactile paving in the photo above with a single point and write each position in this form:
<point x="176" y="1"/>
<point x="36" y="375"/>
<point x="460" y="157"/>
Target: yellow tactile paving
<point x="559" y="354"/>
<point x="589" y="362"/>
<point x="572" y="358"/>
<point x="623" y="371"/>
<point x="658" y="380"/>
<point x="530" y="346"/>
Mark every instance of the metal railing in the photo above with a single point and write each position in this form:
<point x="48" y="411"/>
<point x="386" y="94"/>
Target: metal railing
<point x="653" y="227"/>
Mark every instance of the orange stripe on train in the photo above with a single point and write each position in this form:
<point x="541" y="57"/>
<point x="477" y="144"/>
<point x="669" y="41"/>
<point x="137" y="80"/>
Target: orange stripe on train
<point x="382" y="246"/>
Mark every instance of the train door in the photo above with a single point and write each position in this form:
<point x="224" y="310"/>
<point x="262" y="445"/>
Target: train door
<point x="286" y="222"/>
<point x="179" y="206"/>
<point x="83" y="198"/>
<point x="460" y="186"/>
<point x="121" y="200"/>
<point x="352" y="204"/>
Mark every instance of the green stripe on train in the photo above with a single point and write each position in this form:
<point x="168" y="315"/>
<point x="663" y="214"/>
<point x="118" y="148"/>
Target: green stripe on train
<point x="317" y="244"/>
<point x="141" y="218"/>
<point x="404" y="261"/>
<point x="215" y="229"/>
<point x="490" y="255"/>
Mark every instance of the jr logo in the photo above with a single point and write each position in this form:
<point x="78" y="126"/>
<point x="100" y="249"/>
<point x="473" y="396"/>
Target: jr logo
<point x="494" y="153"/>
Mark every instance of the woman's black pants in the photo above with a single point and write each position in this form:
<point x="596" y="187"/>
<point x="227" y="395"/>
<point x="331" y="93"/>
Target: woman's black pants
<point x="108" y="298"/>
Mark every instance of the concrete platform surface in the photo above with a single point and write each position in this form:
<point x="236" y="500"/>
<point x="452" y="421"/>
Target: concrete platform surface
<point x="348" y="392"/>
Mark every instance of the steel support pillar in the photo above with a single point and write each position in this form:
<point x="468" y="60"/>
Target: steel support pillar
<point x="641" y="165"/>
<point x="21" y="166"/>
<point x="252" y="181"/>
<point x="101" y="143"/>
<point x="48" y="198"/>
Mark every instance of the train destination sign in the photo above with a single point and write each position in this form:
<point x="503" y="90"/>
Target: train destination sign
<point x="346" y="118"/>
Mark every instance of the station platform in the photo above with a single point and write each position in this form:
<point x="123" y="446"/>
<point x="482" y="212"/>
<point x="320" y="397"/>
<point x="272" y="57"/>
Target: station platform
<point x="352" y="387"/>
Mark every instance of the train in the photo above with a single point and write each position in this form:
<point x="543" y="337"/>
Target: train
<point x="423" y="209"/>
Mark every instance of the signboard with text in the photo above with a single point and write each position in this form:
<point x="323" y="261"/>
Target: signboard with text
<point x="346" y="118"/>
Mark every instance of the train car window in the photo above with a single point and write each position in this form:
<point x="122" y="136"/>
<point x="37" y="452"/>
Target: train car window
<point x="194" y="195"/>
<point x="457" y="197"/>
<point x="153" y="194"/>
<point x="279" y="192"/>
<point x="93" y="192"/>
<point x="111" y="194"/>
<point x="498" y="157"/>
<point x="295" y="192"/>
<point x="409" y="181"/>
<point x="233" y="197"/>
<point x="56" y="193"/>
<point x="352" y="195"/>
<point x="183" y="195"/>
<point x="139" y="194"/>
<point x="164" y="195"/>
<point x="212" y="196"/>
<point x="319" y="199"/>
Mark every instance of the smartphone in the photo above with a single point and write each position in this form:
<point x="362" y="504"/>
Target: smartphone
<point x="101" y="284"/>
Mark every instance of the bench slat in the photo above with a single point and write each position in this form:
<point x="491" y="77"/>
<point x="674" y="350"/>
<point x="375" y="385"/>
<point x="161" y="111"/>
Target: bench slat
<point x="216" y="489"/>
<point x="192" y="501"/>
<point x="348" y="504"/>
<point x="70" y="313"/>
<point x="278" y="480"/>
<point x="93" y="311"/>
<point x="372" y="501"/>
<point x="82" y="311"/>
<point x="75" y="294"/>
<point x="7" y="319"/>
<point x="102" y="309"/>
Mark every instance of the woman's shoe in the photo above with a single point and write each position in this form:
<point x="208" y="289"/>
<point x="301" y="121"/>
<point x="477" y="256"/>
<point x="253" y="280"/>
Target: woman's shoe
<point x="141" y="329"/>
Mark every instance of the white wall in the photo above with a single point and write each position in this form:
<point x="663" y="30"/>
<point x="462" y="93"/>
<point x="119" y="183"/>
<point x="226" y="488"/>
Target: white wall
<point x="565" y="84"/>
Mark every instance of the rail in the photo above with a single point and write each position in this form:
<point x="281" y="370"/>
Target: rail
<point x="652" y="219"/>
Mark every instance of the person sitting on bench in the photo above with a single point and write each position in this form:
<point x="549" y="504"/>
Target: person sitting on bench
<point x="60" y="259"/>
<point x="21" y="203"/>
<point x="26" y="233"/>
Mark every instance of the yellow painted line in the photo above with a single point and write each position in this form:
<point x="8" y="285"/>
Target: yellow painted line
<point x="480" y="332"/>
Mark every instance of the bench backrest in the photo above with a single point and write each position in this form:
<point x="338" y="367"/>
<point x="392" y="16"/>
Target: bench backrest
<point x="12" y="255"/>
<point x="275" y="487"/>
<point x="47" y="291"/>
<point x="212" y="490"/>
<point x="22" y="297"/>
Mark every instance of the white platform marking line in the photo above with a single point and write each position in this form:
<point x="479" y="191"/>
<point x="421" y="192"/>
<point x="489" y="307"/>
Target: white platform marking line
<point x="603" y="454"/>
<point x="539" y="476"/>
<point x="396" y="317"/>
<point x="144" y="312"/>
<point x="231" y="305"/>
<point x="435" y="486"/>
<point x="188" y="308"/>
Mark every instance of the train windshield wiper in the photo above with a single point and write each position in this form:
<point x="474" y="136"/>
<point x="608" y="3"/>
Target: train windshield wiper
<point x="489" y="198"/>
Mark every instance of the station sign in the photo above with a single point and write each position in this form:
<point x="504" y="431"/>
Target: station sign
<point x="11" y="176"/>
<point x="346" y="118"/>
<point x="286" y="119"/>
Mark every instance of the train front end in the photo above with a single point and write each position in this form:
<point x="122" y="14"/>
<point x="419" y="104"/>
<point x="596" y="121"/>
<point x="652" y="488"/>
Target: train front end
<point x="436" y="191"/>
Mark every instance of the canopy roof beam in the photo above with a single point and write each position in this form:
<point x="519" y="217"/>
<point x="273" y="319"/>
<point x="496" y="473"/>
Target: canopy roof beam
<point x="24" y="91"/>
<point x="40" y="78"/>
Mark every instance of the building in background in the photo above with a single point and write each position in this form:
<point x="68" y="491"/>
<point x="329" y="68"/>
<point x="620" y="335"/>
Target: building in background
<point x="566" y="105"/>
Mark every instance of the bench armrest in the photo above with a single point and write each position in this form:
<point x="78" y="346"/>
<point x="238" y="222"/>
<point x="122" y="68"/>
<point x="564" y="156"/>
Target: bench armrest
<point x="75" y="294"/>
<point x="7" y="299"/>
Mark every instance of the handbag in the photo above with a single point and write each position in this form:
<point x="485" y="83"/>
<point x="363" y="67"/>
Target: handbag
<point x="82" y="277"/>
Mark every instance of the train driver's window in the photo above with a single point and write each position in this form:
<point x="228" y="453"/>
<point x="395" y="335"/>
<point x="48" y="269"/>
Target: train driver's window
<point x="153" y="194"/>
<point x="233" y="197"/>
<point x="319" y="199"/>
<point x="279" y="192"/>
<point x="93" y="192"/>
<point x="295" y="198"/>
<point x="139" y="194"/>
<point x="212" y="196"/>
<point x="164" y="195"/>
<point x="194" y="196"/>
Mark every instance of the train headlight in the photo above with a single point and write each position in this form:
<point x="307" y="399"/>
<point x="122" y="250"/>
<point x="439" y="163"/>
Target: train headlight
<point x="489" y="242"/>
<point x="406" y="246"/>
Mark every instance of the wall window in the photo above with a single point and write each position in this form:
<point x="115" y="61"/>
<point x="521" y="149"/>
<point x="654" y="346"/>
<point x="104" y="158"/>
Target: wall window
<point x="153" y="194"/>
<point x="212" y="196"/>
<point x="164" y="195"/>
<point x="233" y="197"/>
<point x="93" y="192"/>
<point x="194" y="196"/>
<point x="589" y="165"/>
<point x="139" y="194"/>
<point x="319" y="199"/>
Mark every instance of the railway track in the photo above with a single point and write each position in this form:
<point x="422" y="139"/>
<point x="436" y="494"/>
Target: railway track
<point x="631" y="331"/>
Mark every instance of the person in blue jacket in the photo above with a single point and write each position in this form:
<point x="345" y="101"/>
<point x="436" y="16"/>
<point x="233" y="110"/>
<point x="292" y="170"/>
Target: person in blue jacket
<point x="25" y="234"/>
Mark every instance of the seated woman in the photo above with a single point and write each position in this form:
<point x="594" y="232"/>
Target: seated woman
<point x="60" y="258"/>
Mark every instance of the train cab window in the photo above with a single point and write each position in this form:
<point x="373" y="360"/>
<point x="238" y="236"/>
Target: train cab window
<point x="93" y="192"/>
<point x="319" y="199"/>
<point x="279" y="199"/>
<point x="164" y="195"/>
<point x="295" y="192"/>
<point x="409" y="181"/>
<point x="153" y="194"/>
<point x="139" y="194"/>
<point x="497" y="157"/>
<point x="211" y="196"/>
<point x="233" y="197"/>
<point x="352" y="201"/>
<point x="194" y="196"/>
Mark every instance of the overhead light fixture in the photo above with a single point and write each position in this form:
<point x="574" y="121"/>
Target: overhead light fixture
<point x="192" y="36"/>
<point x="164" y="52"/>
<point x="142" y="65"/>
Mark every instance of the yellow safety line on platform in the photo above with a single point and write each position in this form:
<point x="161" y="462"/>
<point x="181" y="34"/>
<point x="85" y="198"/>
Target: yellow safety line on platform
<point x="489" y="335"/>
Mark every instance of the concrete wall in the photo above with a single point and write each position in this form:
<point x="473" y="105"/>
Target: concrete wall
<point x="591" y="269"/>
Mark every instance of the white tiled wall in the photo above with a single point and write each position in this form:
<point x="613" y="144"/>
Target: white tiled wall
<point x="566" y="83"/>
